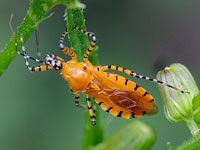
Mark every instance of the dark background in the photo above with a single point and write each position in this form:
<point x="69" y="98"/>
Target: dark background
<point x="37" y="109"/>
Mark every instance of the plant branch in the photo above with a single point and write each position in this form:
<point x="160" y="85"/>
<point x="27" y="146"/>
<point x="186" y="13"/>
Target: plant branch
<point x="34" y="16"/>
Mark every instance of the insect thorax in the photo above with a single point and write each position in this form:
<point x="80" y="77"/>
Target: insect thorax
<point x="77" y="74"/>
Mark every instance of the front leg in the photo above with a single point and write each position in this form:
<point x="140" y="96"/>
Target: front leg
<point x="92" y="43"/>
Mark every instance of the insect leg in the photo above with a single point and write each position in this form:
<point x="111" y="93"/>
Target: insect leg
<point x="66" y="50"/>
<point x="91" y="112"/>
<point x="137" y="75"/>
<point x="59" y="58"/>
<point x="77" y="98"/>
<point x="32" y="58"/>
<point x="95" y="107"/>
<point x="92" y="43"/>
<point x="40" y="68"/>
<point x="26" y="57"/>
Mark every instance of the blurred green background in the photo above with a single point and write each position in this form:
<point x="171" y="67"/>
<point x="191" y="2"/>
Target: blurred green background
<point x="37" y="110"/>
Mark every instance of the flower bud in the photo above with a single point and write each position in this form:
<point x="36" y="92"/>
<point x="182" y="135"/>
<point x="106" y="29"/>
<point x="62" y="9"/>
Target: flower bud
<point x="178" y="106"/>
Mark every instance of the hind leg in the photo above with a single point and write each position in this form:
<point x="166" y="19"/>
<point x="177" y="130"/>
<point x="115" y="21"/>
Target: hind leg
<point x="91" y="111"/>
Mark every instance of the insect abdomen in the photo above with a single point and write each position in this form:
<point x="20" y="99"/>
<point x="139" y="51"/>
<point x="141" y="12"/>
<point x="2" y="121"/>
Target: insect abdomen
<point x="115" y="111"/>
<point x="121" y="97"/>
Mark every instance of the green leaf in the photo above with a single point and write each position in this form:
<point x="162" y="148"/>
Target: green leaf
<point x="34" y="16"/>
<point x="135" y="135"/>
<point x="80" y="43"/>
<point x="196" y="108"/>
<point x="93" y="56"/>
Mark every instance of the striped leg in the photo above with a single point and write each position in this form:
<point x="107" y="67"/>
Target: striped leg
<point x="95" y="107"/>
<point x="92" y="44"/>
<point x="77" y="98"/>
<point x="66" y="50"/>
<point x="59" y="58"/>
<point x="91" y="112"/>
<point x="134" y="74"/>
<point x="40" y="68"/>
<point x="26" y="57"/>
<point x="29" y="57"/>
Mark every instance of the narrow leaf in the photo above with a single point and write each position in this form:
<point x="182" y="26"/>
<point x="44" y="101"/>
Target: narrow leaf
<point x="79" y="43"/>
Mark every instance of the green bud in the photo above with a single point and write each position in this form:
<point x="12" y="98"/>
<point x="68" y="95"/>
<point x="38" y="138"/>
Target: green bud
<point x="178" y="106"/>
<point x="135" y="135"/>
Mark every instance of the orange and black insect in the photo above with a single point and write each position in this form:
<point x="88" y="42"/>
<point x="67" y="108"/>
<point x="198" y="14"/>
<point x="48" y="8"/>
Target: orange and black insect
<point x="112" y="92"/>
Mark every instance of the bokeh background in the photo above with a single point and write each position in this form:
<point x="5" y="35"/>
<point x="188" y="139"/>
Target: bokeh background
<point x="37" y="110"/>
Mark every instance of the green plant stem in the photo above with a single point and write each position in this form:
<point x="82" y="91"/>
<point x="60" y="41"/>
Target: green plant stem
<point x="191" y="144"/>
<point x="34" y="16"/>
<point x="194" y="129"/>
<point x="79" y="43"/>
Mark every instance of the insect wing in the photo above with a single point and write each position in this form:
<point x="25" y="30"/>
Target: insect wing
<point x="124" y="95"/>
<point x="129" y="101"/>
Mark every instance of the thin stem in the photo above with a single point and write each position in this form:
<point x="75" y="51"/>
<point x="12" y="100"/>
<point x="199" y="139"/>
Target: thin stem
<point x="194" y="128"/>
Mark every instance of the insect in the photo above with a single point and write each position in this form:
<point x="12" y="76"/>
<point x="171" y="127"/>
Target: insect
<point x="114" y="93"/>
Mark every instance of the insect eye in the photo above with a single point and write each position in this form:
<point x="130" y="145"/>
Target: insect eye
<point x="49" y="61"/>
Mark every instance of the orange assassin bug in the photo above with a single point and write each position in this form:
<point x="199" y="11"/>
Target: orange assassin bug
<point x="112" y="92"/>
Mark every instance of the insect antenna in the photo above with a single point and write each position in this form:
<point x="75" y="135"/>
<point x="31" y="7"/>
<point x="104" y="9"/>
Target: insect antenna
<point x="37" y="43"/>
<point x="11" y="28"/>
<point x="10" y="24"/>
